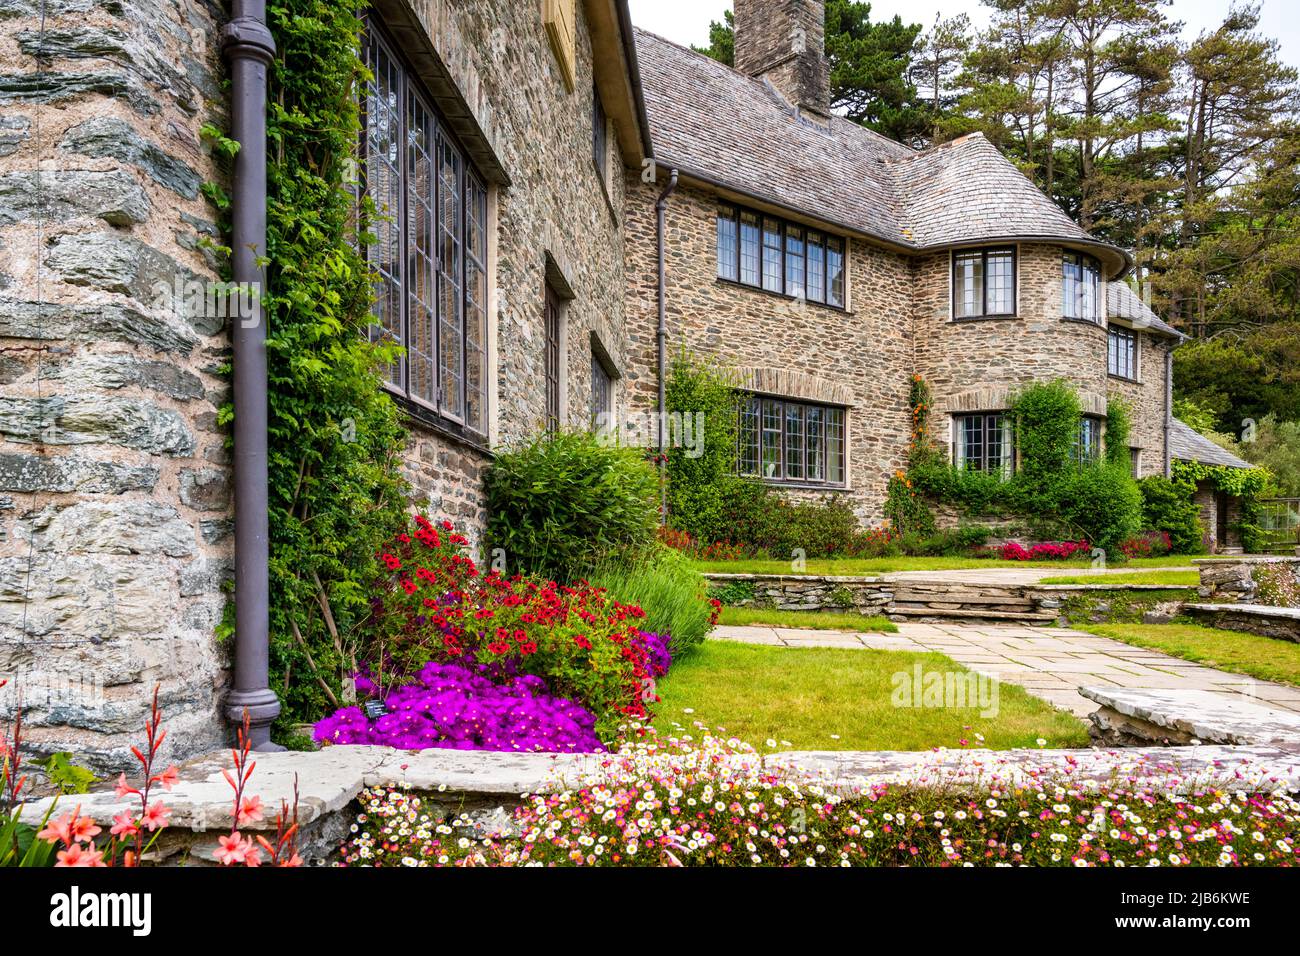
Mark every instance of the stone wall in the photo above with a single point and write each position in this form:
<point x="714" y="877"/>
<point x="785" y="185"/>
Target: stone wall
<point x="861" y="356"/>
<point x="1239" y="580"/>
<point x="556" y="222"/>
<point x="113" y="472"/>
<point x="977" y="364"/>
<point x="1146" y="400"/>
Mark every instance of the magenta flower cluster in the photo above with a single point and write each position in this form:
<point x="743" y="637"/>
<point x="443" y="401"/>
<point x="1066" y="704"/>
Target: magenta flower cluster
<point x="454" y="707"/>
<point x="1046" y="551"/>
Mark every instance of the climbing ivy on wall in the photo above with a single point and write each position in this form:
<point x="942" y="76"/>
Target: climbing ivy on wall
<point x="1247" y="484"/>
<point x="336" y="492"/>
<point x="1052" y="492"/>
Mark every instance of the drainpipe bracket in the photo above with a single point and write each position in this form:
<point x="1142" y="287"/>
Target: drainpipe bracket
<point x="247" y="38"/>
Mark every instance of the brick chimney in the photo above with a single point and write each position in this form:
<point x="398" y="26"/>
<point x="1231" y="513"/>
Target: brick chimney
<point x="784" y="42"/>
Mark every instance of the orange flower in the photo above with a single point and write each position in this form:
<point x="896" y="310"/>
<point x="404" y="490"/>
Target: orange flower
<point x="79" y="856"/>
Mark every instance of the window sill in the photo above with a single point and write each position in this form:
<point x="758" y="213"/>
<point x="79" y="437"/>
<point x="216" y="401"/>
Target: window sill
<point x="1124" y="378"/>
<point x="799" y="485"/>
<point x="433" y="422"/>
<point x="1091" y="322"/>
<point x="781" y="295"/>
<point x="963" y="319"/>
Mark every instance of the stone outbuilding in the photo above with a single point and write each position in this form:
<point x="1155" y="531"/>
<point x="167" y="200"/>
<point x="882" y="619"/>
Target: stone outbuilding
<point x="1220" y="512"/>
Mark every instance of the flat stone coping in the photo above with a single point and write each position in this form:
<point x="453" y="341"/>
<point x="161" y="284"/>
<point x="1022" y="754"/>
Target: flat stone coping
<point x="1248" y="559"/>
<point x="1257" y="610"/>
<point x="330" y="779"/>
<point x="1203" y="715"/>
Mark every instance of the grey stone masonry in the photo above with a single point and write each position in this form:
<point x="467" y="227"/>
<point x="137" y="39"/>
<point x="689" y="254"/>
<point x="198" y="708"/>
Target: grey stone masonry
<point x="1237" y="579"/>
<point x="904" y="599"/>
<point x="1187" y="716"/>
<point x="112" y="558"/>
<point x="1282" y="623"/>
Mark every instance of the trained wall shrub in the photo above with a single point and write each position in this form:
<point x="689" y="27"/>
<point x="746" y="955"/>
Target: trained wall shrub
<point x="1167" y="506"/>
<point x="562" y="503"/>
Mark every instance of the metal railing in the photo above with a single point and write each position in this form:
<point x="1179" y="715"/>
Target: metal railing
<point x="1279" y="522"/>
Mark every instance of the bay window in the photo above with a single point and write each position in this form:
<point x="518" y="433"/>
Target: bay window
<point x="983" y="443"/>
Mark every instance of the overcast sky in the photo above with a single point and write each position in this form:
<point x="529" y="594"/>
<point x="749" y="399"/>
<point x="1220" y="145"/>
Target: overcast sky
<point x="687" y="21"/>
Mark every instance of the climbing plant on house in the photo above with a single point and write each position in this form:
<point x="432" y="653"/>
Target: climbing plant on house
<point x="335" y="439"/>
<point x="1052" y="490"/>
<point x="1246" y="484"/>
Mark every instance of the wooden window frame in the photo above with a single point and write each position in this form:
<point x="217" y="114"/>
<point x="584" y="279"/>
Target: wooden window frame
<point x="983" y="254"/>
<point x="960" y="453"/>
<point x="1086" y="264"/>
<point x="828" y="243"/>
<point x="471" y="218"/>
<point x="833" y="418"/>
<point x="1114" y="332"/>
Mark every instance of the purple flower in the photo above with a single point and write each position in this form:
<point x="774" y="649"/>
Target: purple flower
<point x="656" y="648"/>
<point x="456" y="708"/>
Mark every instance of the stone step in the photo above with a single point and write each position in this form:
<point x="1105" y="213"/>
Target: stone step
<point x="948" y="597"/>
<point x="1044" y="617"/>
<point x="1182" y="716"/>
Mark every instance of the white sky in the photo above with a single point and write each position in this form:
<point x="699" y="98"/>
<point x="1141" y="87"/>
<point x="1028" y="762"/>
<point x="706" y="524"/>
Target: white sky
<point x="687" y="21"/>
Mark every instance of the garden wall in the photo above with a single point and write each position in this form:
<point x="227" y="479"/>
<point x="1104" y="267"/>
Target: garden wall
<point x="902" y="599"/>
<point x="1260" y="580"/>
<point x="113" y="472"/>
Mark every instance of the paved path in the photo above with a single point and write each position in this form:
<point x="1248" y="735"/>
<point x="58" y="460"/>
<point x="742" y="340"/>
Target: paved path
<point x="1014" y="576"/>
<point x="1049" y="662"/>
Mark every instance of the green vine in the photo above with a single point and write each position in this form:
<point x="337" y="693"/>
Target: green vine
<point x="336" y="492"/>
<point x="1246" y="484"/>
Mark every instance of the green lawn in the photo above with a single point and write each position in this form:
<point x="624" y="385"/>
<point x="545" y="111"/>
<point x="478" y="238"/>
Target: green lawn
<point x="817" y="620"/>
<point x="869" y="566"/>
<point x="1189" y="579"/>
<point x="832" y="699"/>
<point x="1264" y="658"/>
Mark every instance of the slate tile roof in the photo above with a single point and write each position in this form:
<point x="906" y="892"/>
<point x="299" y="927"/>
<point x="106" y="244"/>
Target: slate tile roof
<point x="1123" y="303"/>
<point x="1187" y="444"/>
<point x="737" y="132"/>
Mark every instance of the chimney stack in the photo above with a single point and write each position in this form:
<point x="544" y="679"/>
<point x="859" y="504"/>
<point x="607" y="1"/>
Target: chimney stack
<point x="784" y="42"/>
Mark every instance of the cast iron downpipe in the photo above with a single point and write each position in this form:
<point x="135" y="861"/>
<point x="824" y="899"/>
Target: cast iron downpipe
<point x="661" y="210"/>
<point x="247" y="44"/>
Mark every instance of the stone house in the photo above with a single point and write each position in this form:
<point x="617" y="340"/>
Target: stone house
<point x="829" y="264"/>
<point x="544" y="140"/>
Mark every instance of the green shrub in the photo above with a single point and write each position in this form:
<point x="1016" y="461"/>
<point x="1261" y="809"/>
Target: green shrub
<point x="733" y="593"/>
<point x="1102" y="504"/>
<point x="563" y="502"/>
<point x="1119" y="426"/>
<point x="704" y="490"/>
<point x="1045" y="417"/>
<point x="1168" y="506"/>
<point x="780" y="528"/>
<point x="673" y="595"/>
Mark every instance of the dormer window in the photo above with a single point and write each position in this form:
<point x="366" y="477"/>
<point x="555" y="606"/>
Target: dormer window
<point x="779" y="256"/>
<point x="1081" y="288"/>
<point x="983" y="283"/>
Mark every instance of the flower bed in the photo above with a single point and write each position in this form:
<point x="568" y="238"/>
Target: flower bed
<point x="1044" y="551"/>
<point x="453" y="707"/>
<point x="472" y="660"/>
<point x="717" y="803"/>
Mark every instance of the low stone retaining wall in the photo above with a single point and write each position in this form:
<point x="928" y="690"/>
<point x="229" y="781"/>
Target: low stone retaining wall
<point x="1239" y="579"/>
<point x="1132" y="716"/>
<point x="488" y="786"/>
<point x="1282" y="623"/>
<point x="906" y="599"/>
